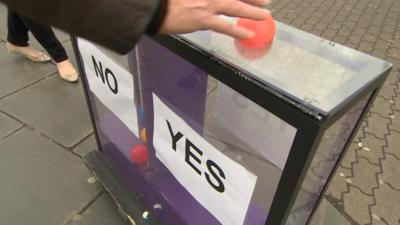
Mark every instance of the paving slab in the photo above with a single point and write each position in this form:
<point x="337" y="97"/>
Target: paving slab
<point x="393" y="143"/>
<point x="338" y="185"/>
<point x="395" y="121"/>
<point x="382" y="107"/>
<point x="102" y="212"/>
<point x="393" y="77"/>
<point x="41" y="183"/>
<point x="7" y="125"/>
<point x="390" y="172"/>
<point x="372" y="149"/>
<point x="377" y="125"/>
<point x="328" y="215"/>
<point x="388" y="91"/>
<point x="378" y="222"/>
<point x="357" y="205"/>
<point x="17" y="72"/>
<point x="88" y="145"/>
<point x="54" y="107"/>
<point x="396" y="103"/>
<point x="365" y="176"/>
<point x="384" y="209"/>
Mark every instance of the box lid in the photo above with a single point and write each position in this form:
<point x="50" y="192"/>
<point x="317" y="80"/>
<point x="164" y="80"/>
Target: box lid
<point x="315" y="72"/>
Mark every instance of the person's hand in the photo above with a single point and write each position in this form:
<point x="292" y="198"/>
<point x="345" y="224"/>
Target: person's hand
<point x="184" y="16"/>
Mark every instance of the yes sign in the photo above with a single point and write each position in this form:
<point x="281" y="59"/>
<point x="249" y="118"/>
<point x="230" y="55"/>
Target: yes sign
<point x="212" y="167"/>
<point x="206" y="173"/>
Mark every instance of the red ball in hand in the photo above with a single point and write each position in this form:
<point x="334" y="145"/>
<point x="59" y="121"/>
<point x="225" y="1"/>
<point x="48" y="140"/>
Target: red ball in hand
<point x="264" y="32"/>
<point x="139" y="154"/>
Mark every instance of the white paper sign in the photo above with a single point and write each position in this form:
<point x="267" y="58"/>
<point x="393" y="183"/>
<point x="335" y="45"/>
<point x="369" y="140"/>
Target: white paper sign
<point x="111" y="84"/>
<point x="218" y="183"/>
<point x="263" y="131"/>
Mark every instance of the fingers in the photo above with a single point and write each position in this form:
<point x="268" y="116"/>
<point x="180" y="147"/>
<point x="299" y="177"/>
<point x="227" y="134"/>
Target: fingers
<point x="258" y="2"/>
<point x="240" y="9"/>
<point x="223" y="26"/>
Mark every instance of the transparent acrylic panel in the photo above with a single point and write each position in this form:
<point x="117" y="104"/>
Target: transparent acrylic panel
<point x="102" y="114"/>
<point x="248" y="144"/>
<point x="312" y="71"/>
<point x="325" y="159"/>
<point x="236" y="130"/>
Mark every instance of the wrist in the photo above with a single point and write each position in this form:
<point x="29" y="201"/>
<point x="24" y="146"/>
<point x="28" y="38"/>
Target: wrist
<point x="158" y="17"/>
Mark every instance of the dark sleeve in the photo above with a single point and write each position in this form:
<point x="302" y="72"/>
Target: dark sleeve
<point x="116" y="24"/>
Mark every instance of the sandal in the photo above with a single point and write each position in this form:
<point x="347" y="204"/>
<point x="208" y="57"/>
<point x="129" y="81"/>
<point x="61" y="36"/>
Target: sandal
<point x="35" y="55"/>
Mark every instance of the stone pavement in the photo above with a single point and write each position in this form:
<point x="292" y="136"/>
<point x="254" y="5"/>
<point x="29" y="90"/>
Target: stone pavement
<point x="45" y="128"/>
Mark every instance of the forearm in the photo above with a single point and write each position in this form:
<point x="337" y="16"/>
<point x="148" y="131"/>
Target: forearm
<point x="116" y="24"/>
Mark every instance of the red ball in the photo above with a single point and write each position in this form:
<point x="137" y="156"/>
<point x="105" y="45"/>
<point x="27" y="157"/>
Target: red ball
<point x="139" y="154"/>
<point x="264" y="32"/>
<point x="251" y="53"/>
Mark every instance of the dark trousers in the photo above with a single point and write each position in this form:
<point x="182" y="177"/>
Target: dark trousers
<point x="18" y="28"/>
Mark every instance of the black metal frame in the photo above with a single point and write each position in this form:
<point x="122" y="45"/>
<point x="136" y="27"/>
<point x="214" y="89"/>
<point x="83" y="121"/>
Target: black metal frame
<point x="310" y="124"/>
<point x="79" y="60"/>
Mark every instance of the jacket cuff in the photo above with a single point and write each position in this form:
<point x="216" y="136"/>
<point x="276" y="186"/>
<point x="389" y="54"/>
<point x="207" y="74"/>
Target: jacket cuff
<point x="158" y="17"/>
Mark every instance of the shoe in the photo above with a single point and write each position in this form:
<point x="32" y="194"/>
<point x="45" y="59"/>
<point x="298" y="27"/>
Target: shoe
<point x="73" y="78"/>
<point x="68" y="73"/>
<point x="33" y="55"/>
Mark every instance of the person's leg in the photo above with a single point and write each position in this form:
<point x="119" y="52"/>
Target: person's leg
<point x="49" y="41"/>
<point x="17" y="39"/>
<point x="46" y="37"/>
<point x="17" y="31"/>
